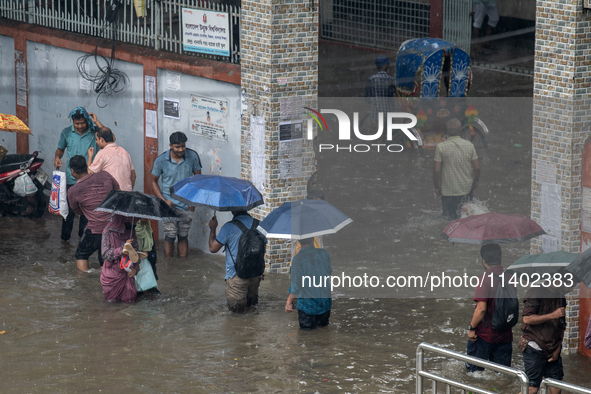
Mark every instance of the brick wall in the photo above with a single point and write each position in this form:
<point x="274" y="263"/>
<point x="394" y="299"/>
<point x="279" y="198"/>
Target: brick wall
<point x="561" y="123"/>
<point x="570" y="343"/>
<point x="561" y="117"/>
<point x="278" y="67"/>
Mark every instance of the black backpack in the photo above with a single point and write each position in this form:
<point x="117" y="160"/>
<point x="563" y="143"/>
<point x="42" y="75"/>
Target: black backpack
<point x="506" y="312"/>
<point x="252" y="245"/>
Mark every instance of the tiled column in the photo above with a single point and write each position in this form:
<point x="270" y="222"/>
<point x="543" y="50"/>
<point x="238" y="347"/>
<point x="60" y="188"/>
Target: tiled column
<point x="279" y="60"/>
<point x="561" y="123"/>
<point x="561" y="118"/>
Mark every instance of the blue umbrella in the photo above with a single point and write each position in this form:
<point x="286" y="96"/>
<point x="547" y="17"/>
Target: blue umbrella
<point x="303" y="219"/>
<point x="220" y="193"/>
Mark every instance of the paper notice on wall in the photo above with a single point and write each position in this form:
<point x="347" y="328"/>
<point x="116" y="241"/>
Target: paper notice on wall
<point x="549" y="244"/>
<point x="551" y="210"/>
<point x="290" y="149"/>
<point x="586" y="199"/>
<point x="586" y="221"/>
<point x="257" y="151"/>
<point x="21" y="80"/>
<point x="585" y="244"/>
<point x="173" y="81"/>
<point x="151" y="124"/>
<point x="291" y="108"/>
<point x="209" y="117"/>
<point x="172" y="108"/>
<point x="586" y="210"/>
<point x="545" y="172"/>
<point x="290" y="159"/>
<point x="85" y="84"/>
<point x="243" y="103"/>
<point x="150" y="89"/>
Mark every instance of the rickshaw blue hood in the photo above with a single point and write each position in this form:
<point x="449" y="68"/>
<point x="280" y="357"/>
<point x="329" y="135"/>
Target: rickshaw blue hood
<point x="425" y="55"/>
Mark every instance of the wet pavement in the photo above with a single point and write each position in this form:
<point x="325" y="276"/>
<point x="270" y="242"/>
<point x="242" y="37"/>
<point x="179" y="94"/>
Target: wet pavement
<point x="58" y="335"/>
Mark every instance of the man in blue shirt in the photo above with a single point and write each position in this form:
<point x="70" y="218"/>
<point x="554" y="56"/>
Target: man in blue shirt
<point x="174" y="165"/>
<point x="240" y="293"/>
<point x="310" y="284"/>
<point x="76" y="138"/>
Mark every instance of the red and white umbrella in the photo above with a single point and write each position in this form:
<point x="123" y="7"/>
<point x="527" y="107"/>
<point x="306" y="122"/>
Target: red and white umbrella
<point x="490" y="228"/>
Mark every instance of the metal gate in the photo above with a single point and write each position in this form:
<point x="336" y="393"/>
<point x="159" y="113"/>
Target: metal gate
<point x="457" y="23"/>
<point x="374" y="23"/>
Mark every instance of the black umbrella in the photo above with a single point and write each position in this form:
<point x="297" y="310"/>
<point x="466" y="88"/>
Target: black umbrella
<point x="137" y="205"/>
<point x="581" y="267"/>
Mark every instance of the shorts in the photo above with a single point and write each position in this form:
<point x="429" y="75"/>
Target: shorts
<point x="89" y="243"/>
<point x="481" y="10"/>
<point x="537" y="366"/>
<point x="499" y="353"/>
<point x="452" y="205"/>
<point x="242" y="293"/>
<point x="310" y="322"/>
<point x="180" y="228"/>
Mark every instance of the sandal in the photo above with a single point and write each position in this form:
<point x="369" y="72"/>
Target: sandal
<point x="128" y="250"/>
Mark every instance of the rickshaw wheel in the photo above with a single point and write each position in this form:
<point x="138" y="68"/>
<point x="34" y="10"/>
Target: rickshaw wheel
<point x="474" y="133"/>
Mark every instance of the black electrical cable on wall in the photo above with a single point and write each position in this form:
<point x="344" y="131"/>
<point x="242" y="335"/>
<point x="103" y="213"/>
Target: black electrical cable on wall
<point x="107" y="80"/>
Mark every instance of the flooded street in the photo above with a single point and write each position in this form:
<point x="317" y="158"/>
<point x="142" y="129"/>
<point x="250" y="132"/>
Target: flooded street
<point x="59" y="336"/>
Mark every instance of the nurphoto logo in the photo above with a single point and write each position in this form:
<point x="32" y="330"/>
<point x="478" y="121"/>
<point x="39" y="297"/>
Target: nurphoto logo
<point x="394" y="122"/>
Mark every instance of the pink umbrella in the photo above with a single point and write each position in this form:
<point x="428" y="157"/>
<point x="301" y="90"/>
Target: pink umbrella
<point x="492" y="228"/>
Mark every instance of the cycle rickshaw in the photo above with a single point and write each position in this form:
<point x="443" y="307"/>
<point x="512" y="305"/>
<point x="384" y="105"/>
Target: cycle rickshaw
<point x="429" y="70"/>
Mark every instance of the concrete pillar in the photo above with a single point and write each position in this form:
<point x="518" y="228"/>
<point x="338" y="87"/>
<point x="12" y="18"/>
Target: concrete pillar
<point x="22" y="91"/>
<point x="279" y="60"/>
<point x="561" y="123"/>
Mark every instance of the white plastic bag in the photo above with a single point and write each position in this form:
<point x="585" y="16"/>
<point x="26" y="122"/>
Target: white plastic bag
<point x="24" y="186"/>
<point x="58" y="202"/>
<point x="145" y="279"/>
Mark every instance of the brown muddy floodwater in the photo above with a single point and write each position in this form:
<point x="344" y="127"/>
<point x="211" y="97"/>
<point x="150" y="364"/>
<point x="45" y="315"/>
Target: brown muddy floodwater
<point x="59" y="336"/>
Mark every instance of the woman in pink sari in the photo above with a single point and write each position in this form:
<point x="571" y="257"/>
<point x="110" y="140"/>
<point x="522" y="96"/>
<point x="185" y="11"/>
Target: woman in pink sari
<point x="118" y="284"/>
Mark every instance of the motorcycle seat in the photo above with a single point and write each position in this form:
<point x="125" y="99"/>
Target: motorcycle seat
<point x="13" y="162"/>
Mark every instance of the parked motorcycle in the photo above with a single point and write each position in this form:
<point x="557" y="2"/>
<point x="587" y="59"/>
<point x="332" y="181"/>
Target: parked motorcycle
<point x="12" y="204"/>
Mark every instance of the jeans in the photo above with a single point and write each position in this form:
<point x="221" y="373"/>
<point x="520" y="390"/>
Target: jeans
<point x="499" y="353"/>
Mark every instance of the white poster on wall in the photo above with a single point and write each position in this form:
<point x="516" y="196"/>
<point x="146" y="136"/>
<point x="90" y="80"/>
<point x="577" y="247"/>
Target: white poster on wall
<point x="21" y="80"/>
<point x="549" y="244"/>
<point x="209" y="117"/>
<point x="545" y="172"/>
<point x="290" y="149"/>
<point x="257" y="152"/>
<point x="150" y="89"/>
<point x="173" y="81"/>
<point x="551" y="210"/>
<point x="206" y="32"/>
<point x="151" y="124"/>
